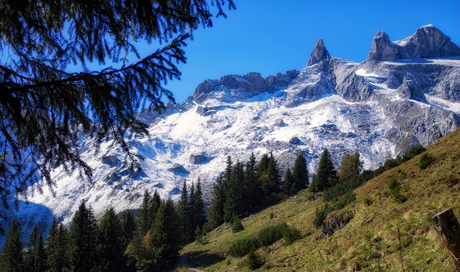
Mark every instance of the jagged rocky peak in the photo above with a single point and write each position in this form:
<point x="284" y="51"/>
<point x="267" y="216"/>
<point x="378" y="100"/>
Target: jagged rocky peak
<point x="426" y="42"/>
<point x="319" y="53"/>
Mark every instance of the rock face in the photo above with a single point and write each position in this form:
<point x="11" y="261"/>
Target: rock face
<point x="110" y="160"/>
<point x="197" y="159"/>
<point x="179" y="169"/>
<point x="331" y="226"/>
<point x="427" y="42"/>
<point x="319" y="53"/>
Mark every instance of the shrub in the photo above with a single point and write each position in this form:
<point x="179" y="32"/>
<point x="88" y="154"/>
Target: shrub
<point x="237" y="226"/>
<point x="271" y="234"/>
<point x="367" y="201"/>
<point x="397" y="196"/>
<point x="425" y="160"/>
<point x="414" y="151"/>
<point x="242" y="247"/>
<point x="254" y="261"/>
<point x="290" y="235"/>
<point x="321" y="214"/>
<point x="393" y="184"/>
<point x="344" y="200"/>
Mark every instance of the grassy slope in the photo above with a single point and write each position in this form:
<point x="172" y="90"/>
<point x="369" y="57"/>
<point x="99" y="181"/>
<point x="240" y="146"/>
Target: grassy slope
<point x="370" y="241"/>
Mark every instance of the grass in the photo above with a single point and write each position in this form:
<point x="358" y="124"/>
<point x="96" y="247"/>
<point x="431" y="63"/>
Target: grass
<point x="370" y="242"/>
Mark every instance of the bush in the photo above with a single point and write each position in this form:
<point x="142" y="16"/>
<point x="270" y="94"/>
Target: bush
<point x="393" y="184"/>
<point x="414" y="151"/>
<point x="271" y="234"/>
<point x="344" y="200"/>
<point x="425" y="160"/>
<point x="397" y="196"/>
<point x="321" y="214"/>
<point x="237" y="226"/>
<point x="367" y="201"/>
<point x="254" y="261"/>
<point x="242" y="247"/>
<point x="290" y="235"/>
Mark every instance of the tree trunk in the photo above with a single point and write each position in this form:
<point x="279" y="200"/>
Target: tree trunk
<point x="448" y="229"/>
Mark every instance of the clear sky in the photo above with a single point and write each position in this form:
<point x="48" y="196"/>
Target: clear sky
<point x="269" y="36"/>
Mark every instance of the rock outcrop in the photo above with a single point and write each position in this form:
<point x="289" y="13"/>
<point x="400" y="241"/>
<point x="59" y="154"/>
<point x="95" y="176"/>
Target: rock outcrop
<point x="331" y="226"/>
<point x="319" y="53"/>
<point x="426" y="42"/>
<point x="198" y="159"/>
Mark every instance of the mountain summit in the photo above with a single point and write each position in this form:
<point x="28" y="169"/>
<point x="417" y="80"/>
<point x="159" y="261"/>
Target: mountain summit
<point x="406" y="93"/>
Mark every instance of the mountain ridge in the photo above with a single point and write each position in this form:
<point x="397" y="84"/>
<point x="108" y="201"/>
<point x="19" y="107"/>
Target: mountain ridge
<point x="380" y="108"/>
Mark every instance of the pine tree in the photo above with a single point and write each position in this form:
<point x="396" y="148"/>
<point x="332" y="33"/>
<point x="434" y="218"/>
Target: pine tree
<point x="272" y="184"/>
<point x="184" y="210"/>
<point x="198" y="208"/>
<point x="45" y="107"/>
<point x="144" y="214"/>
<point x="216" y="207"/>
<point x="128" y="227"/>
<point x="11" y="257"/>
<point x="155" y="205"/>
<point x="35" y="258"/>
<point x="326" y="175"/>
<point x="166" y="239"/>
<point x="288" y="183"/>
<point x="234" y="195"/>
<point x="263" y="165"/>
<point x="191" y="216"/>
<point x="82" y="240"/>
<point x="253" y="193"/>
<point x="56" y="247"/>
<point x="300" y="174"/>
<point x="109" y="243"/>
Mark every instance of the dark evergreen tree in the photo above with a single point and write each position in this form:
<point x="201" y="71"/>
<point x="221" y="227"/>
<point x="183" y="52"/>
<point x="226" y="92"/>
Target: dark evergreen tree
<point x="234" y="195"/>
<point x="56" y="247"/>
<point x="45" y="106"/>
<point x="166" y="238"/>
<point x="184" y="211"/>
<point x="82" y="240"/>
<point x="35" y="258"/>
<point x="144" y="215"/>
<point x="109" y="243"/>
<point x="198" y="208"/>
<point x="263" y="165"/>
<point x="326" y="174"/>
<point x="350" y="167"/>
<point x="155" y="205"/>
<point x="128" y="227"/>
<point x="216" y="207"/>
<point x="253" y="193"/>
<point x="272" y="181"/>
<point x="300" y="174"/>
<point x="11" y="257"/>
<point x="288" y="183"/>
<point x="190" y="232"/>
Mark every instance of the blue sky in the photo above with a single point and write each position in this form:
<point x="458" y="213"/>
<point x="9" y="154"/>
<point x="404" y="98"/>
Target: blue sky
<point x="269" y="36"/>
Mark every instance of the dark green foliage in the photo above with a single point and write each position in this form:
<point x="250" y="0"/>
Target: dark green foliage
<point x="154" y="205"/>
<point x="395" y="188"/>
<point x="191" y="211"/>
<point x="198" y="207"/>
<point x="288" y="183"/>
<point x="321" y="214"/>
<point x="326" y="174"/>
<point x="82" y="251"/>
<point x="343" y="187"/>
<point x="56" y="247"/>
<point x="393" y="184"/>
<point x="11" y="257"/>
<point x="425" y="161"/>
<point x="343" y="200"/>
<point x="237" y="226"/>
<point x="300" y="174"/>
<point x="166" y="238"/>
<point x="128" y="227"/>
<point x="234" y="194"/>
<point x="35" y="258"/>
<point x="253" y="193"/>
<point x="216" y="207"/>
<point x="145" y="218"/>
<point x="349" y="167"/>
<point x="45" y="107"/>
<point x="110" y="242"/>
<point x="414" y="151"/>
<point x="271" y="234"/>
<point x="290" y="235"/>
<point x="367" y="201"/>
<point x="184" y="211"/>
<point x="242" y="247"/>
<point x="254" y="261"/>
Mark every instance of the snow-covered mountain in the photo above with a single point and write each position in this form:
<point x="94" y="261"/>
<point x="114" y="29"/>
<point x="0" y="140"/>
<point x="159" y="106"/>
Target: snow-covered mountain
<point x="406" y="93"/>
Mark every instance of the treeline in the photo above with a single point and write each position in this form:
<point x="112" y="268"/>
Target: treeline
<point x="243" y="189"/>
<point x="150" y="242"/>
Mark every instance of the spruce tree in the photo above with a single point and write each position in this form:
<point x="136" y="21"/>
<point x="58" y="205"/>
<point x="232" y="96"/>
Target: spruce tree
<point x="253" y="193"/>
<point x="82" y="251"/>
<point x="166" y="238"/>
<point x="198" y="208"/>
<point x="155" y="205"/>
<point x="144" y="215"/>
<point x="272" y="183"/>
<point x="184" y="210"/>
<point x="288" y="183"/>
<point x="190" y="232"/>
<point x="109" y="243"/>
<point x="35" y="258"/>
<point x="263" y="165"/>
<point x="300" y="174"/>
<point x="326" y="174"/>
<point x="350" y="166"/>
<point x="234" y="195"/>
<point x="128" y="227"/>
<point x="56" y="247"/>
<point x="11" y="257"/>
<point x="216" y="207"/>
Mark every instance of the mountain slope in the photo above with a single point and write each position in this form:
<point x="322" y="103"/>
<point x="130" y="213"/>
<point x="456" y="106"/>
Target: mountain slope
<point x="379" y="107"/>
<point x="370" y="241"/>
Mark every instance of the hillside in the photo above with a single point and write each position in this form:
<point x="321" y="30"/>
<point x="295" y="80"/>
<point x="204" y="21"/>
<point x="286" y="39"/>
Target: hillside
<point x="370" y="241"/>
